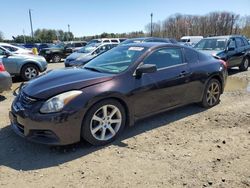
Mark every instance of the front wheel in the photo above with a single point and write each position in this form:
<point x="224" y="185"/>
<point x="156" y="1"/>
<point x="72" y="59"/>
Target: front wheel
<point x="29" y="72"/>
<point x="103" y="122"/>
<point x="244" y="65"/>
<point x="56" y="58"/>
<point x="211" y="96"/>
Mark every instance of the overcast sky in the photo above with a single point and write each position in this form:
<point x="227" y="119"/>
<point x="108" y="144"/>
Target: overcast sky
<point x="90" y="17"/>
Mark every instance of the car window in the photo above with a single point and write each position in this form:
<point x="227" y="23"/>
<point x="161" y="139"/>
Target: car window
<point x="232" y="43"/>
<point x="239" y="42"/>
<point x="78" y="45"/>
<point x="245" y="41"/>
<point x="114" y="40"/>
<point x="191" y="56"/>
<point x="10" y="48"/>
<point x="2" y="52"/>
<point x="106" y="41"/>
<point x="165" y="57"/>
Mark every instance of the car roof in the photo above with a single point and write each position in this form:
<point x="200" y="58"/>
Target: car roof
<point x="153" y="45"/>
<point x="223" y="36"/>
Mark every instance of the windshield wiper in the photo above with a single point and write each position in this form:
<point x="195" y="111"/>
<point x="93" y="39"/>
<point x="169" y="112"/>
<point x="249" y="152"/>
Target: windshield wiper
<point x="92" y="68"/>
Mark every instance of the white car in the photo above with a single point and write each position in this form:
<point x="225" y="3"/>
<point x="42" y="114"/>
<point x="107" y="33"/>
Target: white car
<point x="106" y="40"/>
<point x="15" y="49"/>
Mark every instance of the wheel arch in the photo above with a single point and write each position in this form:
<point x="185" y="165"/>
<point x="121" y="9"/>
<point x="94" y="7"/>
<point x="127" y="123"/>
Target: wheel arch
<point x="30" y="63"/>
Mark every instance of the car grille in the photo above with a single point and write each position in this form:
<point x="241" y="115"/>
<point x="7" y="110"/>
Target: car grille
<point x="25" y="100"/>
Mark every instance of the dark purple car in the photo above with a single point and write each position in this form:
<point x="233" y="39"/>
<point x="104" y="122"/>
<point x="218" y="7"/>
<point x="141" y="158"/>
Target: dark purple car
<point x="129" y="82"/>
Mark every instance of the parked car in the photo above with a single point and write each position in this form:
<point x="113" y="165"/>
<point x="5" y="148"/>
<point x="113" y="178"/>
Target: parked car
<point x="190" y="40"/>
<point x="149" y="39"/>
<point x="87" y="53"/>
<point x="44" y="45"/>
<point x="234" y="49"/>
<point x="26" y="66"/>
<point x="115" y="89"/>
<point x="5" y="79"/>
<point x="15" y="49"/>
<point x="60" y="51"/>
<point x="107" y="40"/>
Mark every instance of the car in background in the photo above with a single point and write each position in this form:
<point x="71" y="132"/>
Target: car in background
<point x="44" y="45"/>
<point x="190" y="40"/>
<point x="129" y="82"/>
<point x="149" y="39"/>
<point x="61" y="50"/>
<point x="234" y="49"/>
<point x="15" y="49"/>
<point x="87" y="53"/>
<point x="107" y="40"/>
<point x="24" y="65"/>
<point x="5" y="79"/>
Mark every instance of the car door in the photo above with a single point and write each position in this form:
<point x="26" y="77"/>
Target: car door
<point x="166" y="87"/>
<point x="241" y="50"/>
<point x="232" y="54"/>
<point x="9" y="62"/>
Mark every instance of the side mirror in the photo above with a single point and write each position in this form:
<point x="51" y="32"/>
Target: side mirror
<point x="146" y="68"/>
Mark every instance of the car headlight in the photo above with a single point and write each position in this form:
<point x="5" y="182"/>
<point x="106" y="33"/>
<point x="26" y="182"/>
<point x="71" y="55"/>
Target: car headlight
<point x="56" y="103"/>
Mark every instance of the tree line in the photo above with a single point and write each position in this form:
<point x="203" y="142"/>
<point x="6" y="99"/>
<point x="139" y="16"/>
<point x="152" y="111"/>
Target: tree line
<point x="174" y="26"/>
<point x="211" y="24"/>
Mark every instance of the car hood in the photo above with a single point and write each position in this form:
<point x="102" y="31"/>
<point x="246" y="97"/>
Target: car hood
<point x="62" y="80"/>
<point x="28" y="56"/>
<point x="77" y="55"/>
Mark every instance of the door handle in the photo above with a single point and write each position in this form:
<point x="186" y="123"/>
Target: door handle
<point x="183" y="74"/>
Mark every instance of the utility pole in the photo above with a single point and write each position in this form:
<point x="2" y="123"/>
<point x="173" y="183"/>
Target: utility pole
<point x="68" y="32"/>
<point x="31" y="27"/>
<point x="151" y="33"/>
<point x="24" y="39"/>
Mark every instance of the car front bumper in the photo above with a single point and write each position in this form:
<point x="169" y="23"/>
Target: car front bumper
<point x="53" y="129"/>
<point x="5" y="81"/>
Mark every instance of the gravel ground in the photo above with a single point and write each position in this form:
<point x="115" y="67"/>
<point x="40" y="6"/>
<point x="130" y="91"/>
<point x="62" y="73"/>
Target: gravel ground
<point x="186" y="147"/>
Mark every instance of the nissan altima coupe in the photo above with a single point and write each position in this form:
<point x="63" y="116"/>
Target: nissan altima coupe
<point x="95" y="102"/>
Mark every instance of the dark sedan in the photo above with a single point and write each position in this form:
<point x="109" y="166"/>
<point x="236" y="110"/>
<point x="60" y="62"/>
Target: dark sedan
<point x="115" y="89"/>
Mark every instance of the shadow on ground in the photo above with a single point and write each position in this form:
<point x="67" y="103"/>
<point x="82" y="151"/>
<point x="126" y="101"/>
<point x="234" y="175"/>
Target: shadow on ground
<point x="19" y="154"/>
<point x="2" y="98"/>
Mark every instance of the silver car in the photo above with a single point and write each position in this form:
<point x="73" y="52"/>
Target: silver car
<point x="24" y="65"/>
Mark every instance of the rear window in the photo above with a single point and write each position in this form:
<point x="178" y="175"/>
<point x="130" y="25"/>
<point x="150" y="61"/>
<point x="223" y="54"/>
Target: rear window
<point x="191" y="56"/>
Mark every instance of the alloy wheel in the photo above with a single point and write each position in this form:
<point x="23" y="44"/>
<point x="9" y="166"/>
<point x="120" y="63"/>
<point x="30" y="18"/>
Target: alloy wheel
<point x="30" y="73"/>
<point x="106" y="122"/>
<point x="246" y="63"/>
<point x="213" y="93"/>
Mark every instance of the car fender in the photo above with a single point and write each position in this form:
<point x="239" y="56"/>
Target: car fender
<point x="29" y="61"/>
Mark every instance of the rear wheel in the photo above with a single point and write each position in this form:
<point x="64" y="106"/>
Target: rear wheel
<point x="103" y="122"/>
<point x="244" y="64"/>
<point x="29" y="72"/>
<point x="211" y="96"/>
<point x="56" y="58"/>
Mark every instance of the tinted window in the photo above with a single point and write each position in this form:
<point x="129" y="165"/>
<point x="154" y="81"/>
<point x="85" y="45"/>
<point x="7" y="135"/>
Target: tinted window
<point x="165" y="57"/>
<point x="78" y="44"/>
<point x="232" y="43"/>
<point x="114" y="40"/>
<point x="106" y="41"/>
<point x="121" y="40"/>
<point x="239" y="42"/>
<point x="191" y="56"/>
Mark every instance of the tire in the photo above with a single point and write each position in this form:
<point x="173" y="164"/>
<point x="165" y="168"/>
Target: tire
<point x="29" y="72"/>
<point x="56" y="58"/>
<point x="48" y="60"/>
<point x="211" y="96"/>
<point x="244" y="64"/>
<point x="97" y="129"/>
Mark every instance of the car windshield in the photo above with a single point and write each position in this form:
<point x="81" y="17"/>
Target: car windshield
<point x="89" y="48"/>
<point x="116" y="60"/>
<point x="94" y="41"/>
<point x="211" y="44"/>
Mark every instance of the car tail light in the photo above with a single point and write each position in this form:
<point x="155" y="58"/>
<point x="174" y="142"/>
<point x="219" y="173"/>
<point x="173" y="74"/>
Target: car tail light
<point x="223" y="62"/>
<point x="1" y="67"/>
